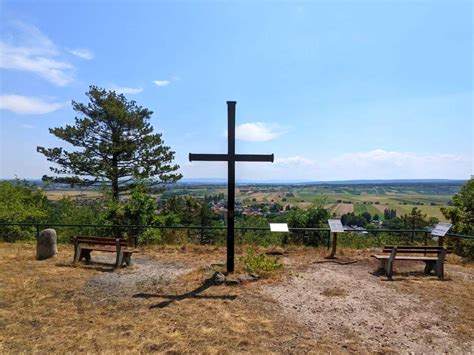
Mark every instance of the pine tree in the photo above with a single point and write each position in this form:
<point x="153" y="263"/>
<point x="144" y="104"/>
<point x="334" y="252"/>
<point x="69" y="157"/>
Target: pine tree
<point x="115" y="145"/>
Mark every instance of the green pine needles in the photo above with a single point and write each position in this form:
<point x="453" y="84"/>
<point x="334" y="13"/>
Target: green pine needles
<point x="115" y="144"/>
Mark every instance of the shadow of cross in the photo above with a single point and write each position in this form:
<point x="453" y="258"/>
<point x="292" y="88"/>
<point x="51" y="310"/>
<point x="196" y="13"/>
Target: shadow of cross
<point x="191" y="294"/>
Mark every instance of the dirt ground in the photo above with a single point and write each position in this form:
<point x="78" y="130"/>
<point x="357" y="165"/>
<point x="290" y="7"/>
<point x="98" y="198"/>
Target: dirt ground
<point x="363" y="313"/>
<point x="163" y="303"/>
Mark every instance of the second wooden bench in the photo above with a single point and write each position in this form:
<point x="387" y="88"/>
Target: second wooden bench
<point x="433" y="262"/>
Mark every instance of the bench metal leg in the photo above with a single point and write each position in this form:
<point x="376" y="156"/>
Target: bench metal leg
<point x="119" y="260"/>
<point x="77" y="254"/>
<point x="389" y="264"/>
<point x="439" y="265"/>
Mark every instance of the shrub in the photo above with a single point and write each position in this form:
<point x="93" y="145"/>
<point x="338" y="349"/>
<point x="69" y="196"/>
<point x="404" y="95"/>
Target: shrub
<point x="462" y="247"/>
<point x="151" y="236"/>
<point x="259" y="263"/>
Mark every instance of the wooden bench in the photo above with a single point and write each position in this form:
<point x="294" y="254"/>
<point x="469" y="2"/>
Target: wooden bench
<point x="83" y="246"/>
<point x="435" y="262"/>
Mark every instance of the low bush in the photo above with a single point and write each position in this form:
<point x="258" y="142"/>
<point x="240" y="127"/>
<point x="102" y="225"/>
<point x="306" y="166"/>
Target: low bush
<point x="259" y="263"/>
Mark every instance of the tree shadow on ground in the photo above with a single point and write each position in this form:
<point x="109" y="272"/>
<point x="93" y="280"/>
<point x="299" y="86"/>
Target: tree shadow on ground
<point x="196" y="294"/>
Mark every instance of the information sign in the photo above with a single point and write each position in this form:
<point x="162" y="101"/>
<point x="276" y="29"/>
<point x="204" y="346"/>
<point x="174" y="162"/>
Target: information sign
<point x="335" y="226"/>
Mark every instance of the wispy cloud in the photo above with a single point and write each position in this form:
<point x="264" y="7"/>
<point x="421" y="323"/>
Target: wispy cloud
<point x="26" y="126"/>
<point x="82" y="53"/>
<point x="27" y="105"/>
<point x="258" y="131"/>
<point x="162" y="82"/>
<point x="380" y="163"/>
<point x="125" y="90"/>
<point x="372" y="164"/>
<point x="26" y="48"/>
<point x="381" y="158"/>
<point x="295" y="160"/>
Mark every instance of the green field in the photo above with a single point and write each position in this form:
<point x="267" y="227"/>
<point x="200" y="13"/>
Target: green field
<point x="340" y="198"/>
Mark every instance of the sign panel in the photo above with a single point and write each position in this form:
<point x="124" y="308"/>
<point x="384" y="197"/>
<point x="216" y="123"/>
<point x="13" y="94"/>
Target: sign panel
<point x="335" y="226"/>
<point x="279" y="227"/>
<point x="441" y="229"/>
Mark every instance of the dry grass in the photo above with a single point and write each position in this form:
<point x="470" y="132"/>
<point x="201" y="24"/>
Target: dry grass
<point x="45" y="307"/>
<point x="454" y="295"/>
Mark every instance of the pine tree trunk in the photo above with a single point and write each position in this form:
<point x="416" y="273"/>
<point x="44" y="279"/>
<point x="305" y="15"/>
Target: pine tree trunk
<point x="115" y="184"/>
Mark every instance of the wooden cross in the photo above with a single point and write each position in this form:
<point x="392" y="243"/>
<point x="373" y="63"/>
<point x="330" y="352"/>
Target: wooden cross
<point x="231" y="158"/>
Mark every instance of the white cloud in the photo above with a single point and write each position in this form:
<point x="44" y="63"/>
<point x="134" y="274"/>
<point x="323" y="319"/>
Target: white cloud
<point x="26" y="126"/>
<point x="27" y="105"/>
<point x="373" y="164"/>
<point x="125" y="90"/>
<point x="383" y="164"/>
<point x="82" y="53"/>
<point x="295" y="160"/>
<point x="162" y="82"/>
<point x="258" y="132"/>
<point x="26" y="48"/>
<point x="383" y="158"/>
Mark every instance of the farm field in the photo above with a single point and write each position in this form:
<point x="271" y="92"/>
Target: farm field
<point x="341" y="199"/>
<point x="55" y="195"/>
<point x="338" y="198"/>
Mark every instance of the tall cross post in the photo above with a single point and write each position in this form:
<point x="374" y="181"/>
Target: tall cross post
<point x="231" y="158"/>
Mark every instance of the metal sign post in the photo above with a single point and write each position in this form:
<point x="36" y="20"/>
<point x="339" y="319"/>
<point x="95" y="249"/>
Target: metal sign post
<point x="335" y="226"/>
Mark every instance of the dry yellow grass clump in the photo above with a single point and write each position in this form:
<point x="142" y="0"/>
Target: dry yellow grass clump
<point x="47" y="306"/>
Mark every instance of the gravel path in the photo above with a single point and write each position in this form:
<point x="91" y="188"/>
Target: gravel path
<point x="144" y="274"/>
<point x="361" y="312"/>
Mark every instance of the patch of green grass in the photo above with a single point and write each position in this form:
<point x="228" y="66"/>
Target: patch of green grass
<point x="259" y="263"/>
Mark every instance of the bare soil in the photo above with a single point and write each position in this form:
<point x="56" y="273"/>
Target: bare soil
<point x="362" y="312"/>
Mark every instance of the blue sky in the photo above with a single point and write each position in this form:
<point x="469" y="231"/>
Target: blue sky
<point x="336" y="90"/>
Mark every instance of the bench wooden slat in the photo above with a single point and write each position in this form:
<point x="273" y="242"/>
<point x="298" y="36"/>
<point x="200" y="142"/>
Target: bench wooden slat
<point x="416" y="251"/>
<point x="416" y="247"/>
<point x="402" y="257"/>
<point x="108" y="241"/>
<point x="97" y="248"/>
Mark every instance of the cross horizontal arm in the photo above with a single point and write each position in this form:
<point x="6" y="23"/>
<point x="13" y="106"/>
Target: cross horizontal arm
<point x="254" y="157"/>
<point x="238" y="157"/>
<point x="208" y="157"/>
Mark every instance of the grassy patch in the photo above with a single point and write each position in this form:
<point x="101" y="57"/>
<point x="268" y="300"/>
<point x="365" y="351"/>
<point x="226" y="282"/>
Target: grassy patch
<point x="259" y="263"/>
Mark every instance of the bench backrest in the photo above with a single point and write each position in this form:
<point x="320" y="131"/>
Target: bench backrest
<point x="99" y="241"/>
<point x="411" y="249"/>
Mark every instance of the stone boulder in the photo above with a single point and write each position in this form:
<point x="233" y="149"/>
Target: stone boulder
<point x="46" y="245"/>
